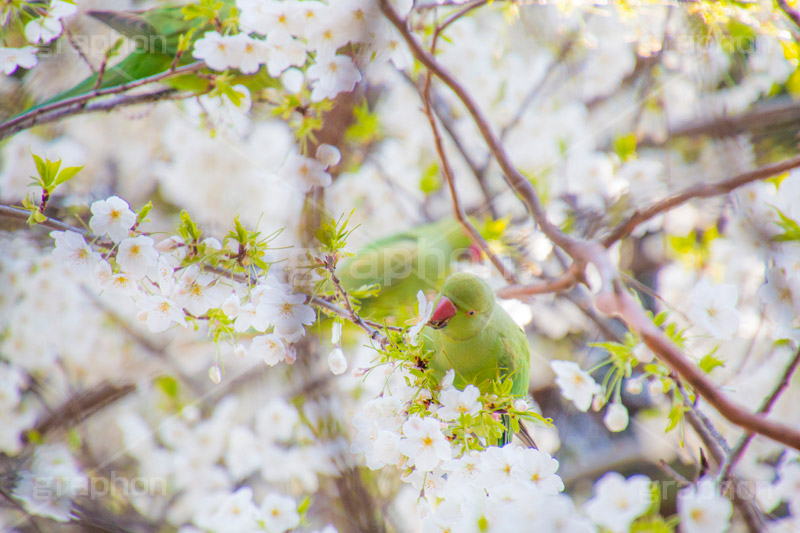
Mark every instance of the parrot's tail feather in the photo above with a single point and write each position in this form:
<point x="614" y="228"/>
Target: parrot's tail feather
<point x="507" y="433"/>
<point x="525" y="437"/>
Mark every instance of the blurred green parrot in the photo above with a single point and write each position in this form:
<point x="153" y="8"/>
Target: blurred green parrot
<point x="156" y="35"/>
<point x="400" y="265"/>
<point x="471" y="334"/>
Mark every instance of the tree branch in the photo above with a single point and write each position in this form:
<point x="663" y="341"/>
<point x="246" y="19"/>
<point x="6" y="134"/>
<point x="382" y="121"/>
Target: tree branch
<point x="29" y="118"/>
<point x="447" y="171"/>
<point x="704" y="190"/>
<point x="371" y="328"/>
<point x="613" y="299"/>
<point x="728" y="466"/>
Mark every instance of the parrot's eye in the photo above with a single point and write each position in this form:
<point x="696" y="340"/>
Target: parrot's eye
<point x="471" y="313"/>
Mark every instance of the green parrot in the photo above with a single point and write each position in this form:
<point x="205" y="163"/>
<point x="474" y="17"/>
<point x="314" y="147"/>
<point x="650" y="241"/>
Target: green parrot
<point x="471" y="334"/>
<point x="403" y="264"/>
<point x="156" y="34"/>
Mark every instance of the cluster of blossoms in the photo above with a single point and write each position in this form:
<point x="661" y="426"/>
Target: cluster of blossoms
<point x="206" y="459"/>
<point x="53" y="479"/>
<point x="296" y="31"/>
<point x="167" y="292"/>
<point x="40" y="30"/>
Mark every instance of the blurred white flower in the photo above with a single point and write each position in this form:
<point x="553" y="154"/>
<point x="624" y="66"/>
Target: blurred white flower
<point x="218" y="52"/>
<point x="575" y="384"/>
<point x="197" y="292"/>
<point x="616" y="418"/>
<point x="11" y="58"/>
<point x="160" y="313"/>
<point x="54" y="479"/>
<point x="337" y="361"/>
<point x="113" y="217"/>
<point x="270" y="347"/>
<point x="137" y="255"/>
<point x="539" y="468"/>
<point x="424" y="443"/>
<point x="306" y="172"/>
<point x="284" y="51"/>
<point x="279" y="513"/>
<point x="231" y="306"/>
<point x="424" y="312"/>
<point x="237" y="512"/>
<point x="456" y="403"/>
<point x="788" y="485"/>
<point x="276" y="420"/>
<point x="702" y="509"/>
<point x="331" y="75"/>
<point x="713" y="308"/>
<point x="287" y="312"/>
<point x="618" y="501"/>
<point x="72" y="251"/>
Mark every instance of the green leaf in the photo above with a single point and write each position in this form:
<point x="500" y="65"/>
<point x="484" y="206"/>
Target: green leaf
<point x="67" y="174"/>
<point x="675" y="416"/>
<point x="41" y="168"/>
<point x="791" y="230"/>
<point x="304" y="505"/>
<point x="625" y="146"/>
<point x="168" y="385"/>
<point x="141" y="215"/>
<point x="431" y="181"/>
<point x="709" y="362"/>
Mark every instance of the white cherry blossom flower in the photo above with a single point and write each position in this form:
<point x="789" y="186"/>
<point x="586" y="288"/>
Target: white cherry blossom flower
<point x="284" y="51"/>
<point x="270" y="347"/>
<point x="575" y="384"/>
<point x="424" y="312"/>
<point x="618" y="501"/>
<point x="11" y="58"/>
<point x="539" y="468"/>
<point x="279" y="513"/>
<point x="424" y="443"/>
<point x="197" y="292"/>
<point x="456" y="403"/>
<point x="219" y="52"/>
<point x="113" y="217"/>
<point x="237" y="512"/>
<point x="702" y="509"/>
<point x="330" y="75"/>
<point x="160" y="313"/>
<point x="288" y="313"/>
<point x="328" y="155"/>
<point x="72" y="251"/>
<point x="137" y="255"/>
<point x="305" y="171"/>
<point x="713" y="308"/>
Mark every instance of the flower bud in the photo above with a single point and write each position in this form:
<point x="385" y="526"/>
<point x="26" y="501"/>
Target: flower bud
<point x="616" y="418"/>
<point x="215" y="374"/>
<point x="337" y="361"/>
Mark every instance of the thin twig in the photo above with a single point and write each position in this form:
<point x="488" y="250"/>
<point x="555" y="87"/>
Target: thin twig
<point x="704" y="190"/>
<point x="559" y="284"/>
<point x="330" y="265"/>
<point x="729" y="465"/>
<point x="15" y="213"/>
<point x="458" y="209"/>
<point x="613" y="298"/>
<point x="30" y="117"/>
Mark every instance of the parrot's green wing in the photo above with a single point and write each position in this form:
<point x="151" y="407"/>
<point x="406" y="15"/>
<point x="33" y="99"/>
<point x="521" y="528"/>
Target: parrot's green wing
<point x="155" y="34"/>
<point x="401" y="265"/>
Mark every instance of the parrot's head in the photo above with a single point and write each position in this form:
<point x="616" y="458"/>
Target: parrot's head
<point x="463" y="307"/>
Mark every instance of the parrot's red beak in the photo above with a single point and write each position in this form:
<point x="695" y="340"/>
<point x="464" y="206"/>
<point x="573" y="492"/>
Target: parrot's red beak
<point x="445" y="310"/>
<point x="475" y="253"/>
